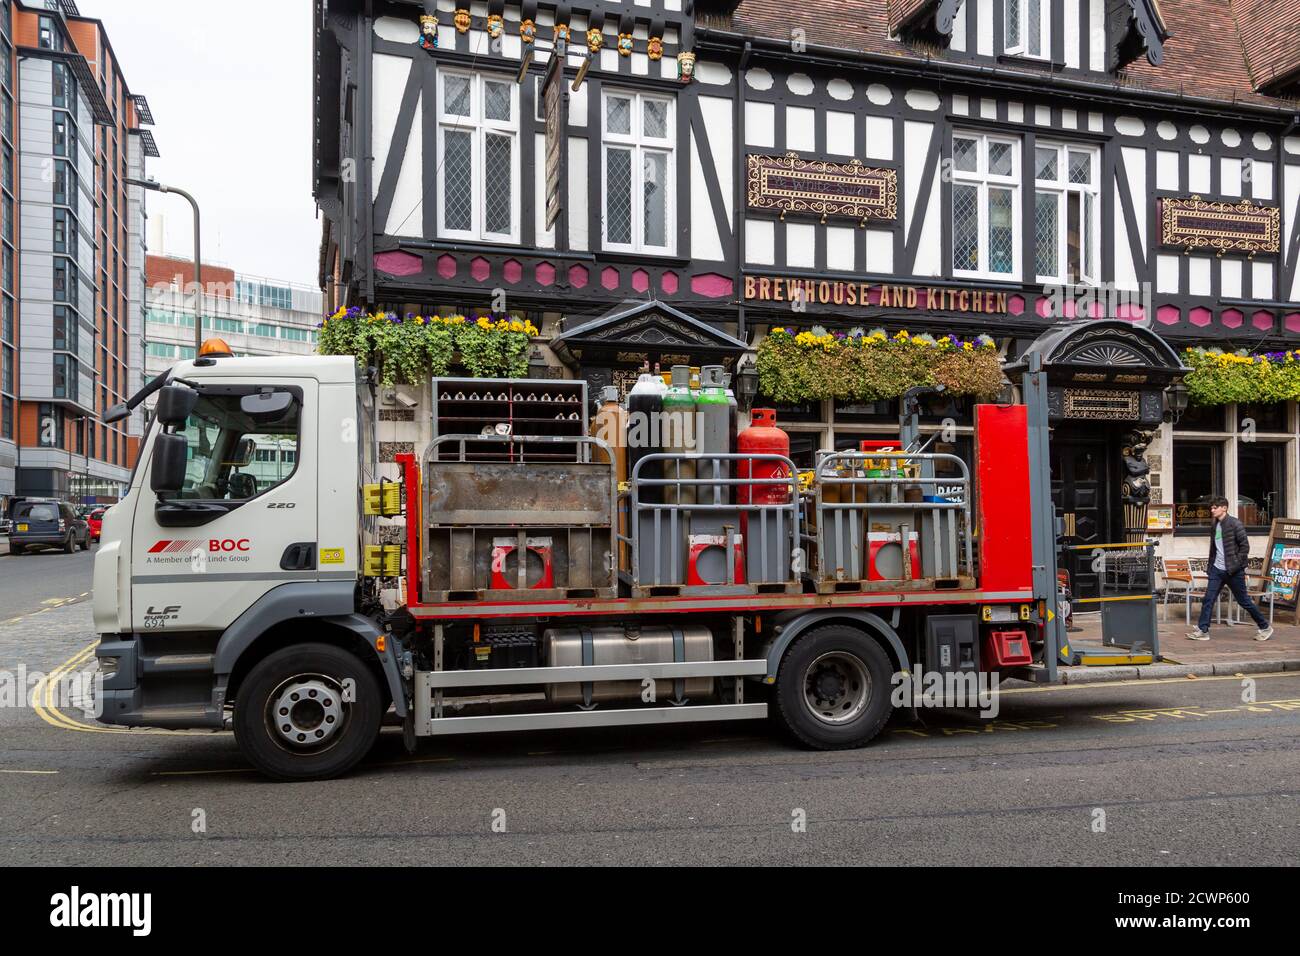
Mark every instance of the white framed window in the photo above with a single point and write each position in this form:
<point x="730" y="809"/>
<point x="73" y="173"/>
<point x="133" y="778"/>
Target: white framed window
<point x="985" y="206"/>
<point x="637" y="173"/>
<point x="478" y="157"/>
<point x="1027" y="28"/>
<point x="1067" y="210"/>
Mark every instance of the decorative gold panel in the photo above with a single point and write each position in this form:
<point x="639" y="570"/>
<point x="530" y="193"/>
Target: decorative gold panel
<point x="1102" y="404"/>
<point x="1228" y="227"/>
<point x="821" y="187"/>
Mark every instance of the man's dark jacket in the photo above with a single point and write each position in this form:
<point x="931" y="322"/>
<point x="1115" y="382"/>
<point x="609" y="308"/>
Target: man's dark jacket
<point x="1236" y="544"/>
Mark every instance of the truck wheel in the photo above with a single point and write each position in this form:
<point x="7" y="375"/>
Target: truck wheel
<point x="294" y="719"/>
<point x="833" y="688"/>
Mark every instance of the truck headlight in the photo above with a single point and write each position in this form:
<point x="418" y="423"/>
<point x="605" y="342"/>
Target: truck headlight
<point x="108" y="666"/>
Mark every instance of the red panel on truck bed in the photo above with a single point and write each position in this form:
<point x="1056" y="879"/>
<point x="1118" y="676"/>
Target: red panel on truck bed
<point x="1002" y="489"/>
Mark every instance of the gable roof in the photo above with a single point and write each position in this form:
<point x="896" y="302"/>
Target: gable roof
<point x="1203" y="55"/>
<point x="641" y="322"/>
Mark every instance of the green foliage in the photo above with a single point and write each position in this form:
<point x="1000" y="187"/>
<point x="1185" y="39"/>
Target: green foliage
<point x="807" y="366"/>
<point x="1218" y="378"/>
<point x="419" y="347"/>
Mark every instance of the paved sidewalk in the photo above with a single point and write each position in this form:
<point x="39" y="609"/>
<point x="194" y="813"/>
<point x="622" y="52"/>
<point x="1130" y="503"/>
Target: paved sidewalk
<point x="1230" y="650"/>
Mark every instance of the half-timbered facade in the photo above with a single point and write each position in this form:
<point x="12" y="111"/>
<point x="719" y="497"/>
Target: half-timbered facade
<point x="993" y="166"/>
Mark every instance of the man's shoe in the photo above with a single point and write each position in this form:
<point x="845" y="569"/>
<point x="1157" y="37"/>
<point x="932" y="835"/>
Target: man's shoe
<point x="1264" y="633"/>
<point x="1198" y="635"/>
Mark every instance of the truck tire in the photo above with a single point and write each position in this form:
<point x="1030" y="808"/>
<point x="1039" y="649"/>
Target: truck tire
<point x="293" y="720"/>
<point x="833" y="688"/>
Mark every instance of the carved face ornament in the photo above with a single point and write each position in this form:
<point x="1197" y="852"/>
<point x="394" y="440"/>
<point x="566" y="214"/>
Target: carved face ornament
<point x="685" y="65"/>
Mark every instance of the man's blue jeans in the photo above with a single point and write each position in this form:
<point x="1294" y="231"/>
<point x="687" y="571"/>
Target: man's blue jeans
<point x="1237" y="585"/>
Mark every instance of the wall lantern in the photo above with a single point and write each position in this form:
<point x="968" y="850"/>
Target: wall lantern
<point x="746" y="383"/>
<point x="1176" y="398"/>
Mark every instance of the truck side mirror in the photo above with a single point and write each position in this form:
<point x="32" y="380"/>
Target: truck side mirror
<point x="175" y="402"/>
<point x="167" y="475"/>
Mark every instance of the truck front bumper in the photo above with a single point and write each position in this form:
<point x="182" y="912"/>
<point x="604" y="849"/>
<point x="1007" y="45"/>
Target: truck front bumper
<point x="182" y="701"/>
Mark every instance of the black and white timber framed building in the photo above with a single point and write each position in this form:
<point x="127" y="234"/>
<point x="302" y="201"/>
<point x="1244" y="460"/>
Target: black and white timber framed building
<point x="939" y="166"/>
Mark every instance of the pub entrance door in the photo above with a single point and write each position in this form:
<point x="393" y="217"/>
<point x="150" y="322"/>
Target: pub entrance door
<point x="1086" y="495"/>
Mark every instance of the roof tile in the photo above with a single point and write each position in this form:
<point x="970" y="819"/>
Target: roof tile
<point x="1206" y="55"/>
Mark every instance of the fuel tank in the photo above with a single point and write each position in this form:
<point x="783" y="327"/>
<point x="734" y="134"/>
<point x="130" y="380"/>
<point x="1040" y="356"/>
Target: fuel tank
<point x="612" y="644"/>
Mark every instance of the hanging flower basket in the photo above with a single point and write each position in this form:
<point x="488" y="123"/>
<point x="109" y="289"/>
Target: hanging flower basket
<point x="811" y="366"/>
<point x="413" y="349"/>
<point x="1218" y="378"/>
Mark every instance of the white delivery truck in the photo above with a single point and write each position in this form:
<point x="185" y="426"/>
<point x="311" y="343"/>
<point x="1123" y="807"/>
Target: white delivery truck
<point x="239" y="581"/>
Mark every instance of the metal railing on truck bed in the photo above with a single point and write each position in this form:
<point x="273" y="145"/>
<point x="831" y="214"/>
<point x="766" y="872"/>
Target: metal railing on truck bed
<point x="866" y="534"/>
<point x="520" y="529"/>
<point x="696" y="541"/>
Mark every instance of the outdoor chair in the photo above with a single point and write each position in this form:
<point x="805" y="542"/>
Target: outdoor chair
<point x="1258" y="587"/>
<point x="1181" y="580"/>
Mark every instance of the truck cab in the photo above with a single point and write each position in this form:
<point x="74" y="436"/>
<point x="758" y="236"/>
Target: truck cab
<point x="240" y="526"/>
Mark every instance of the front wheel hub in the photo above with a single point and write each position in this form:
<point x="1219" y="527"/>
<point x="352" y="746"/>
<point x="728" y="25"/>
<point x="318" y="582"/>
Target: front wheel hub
<point x="306" y="712"/>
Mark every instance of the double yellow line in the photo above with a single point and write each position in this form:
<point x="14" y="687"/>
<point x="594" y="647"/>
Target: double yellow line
<point x="43" y="701"/>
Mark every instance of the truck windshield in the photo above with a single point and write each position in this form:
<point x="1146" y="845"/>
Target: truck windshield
<point x="231" y="456"/>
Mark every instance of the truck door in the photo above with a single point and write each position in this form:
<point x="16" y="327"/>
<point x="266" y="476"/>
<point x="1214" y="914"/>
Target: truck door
<point x="245" y="520"/>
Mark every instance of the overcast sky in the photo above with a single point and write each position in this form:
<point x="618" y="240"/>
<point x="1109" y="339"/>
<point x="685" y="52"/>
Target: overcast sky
<point x="230" y="86"/>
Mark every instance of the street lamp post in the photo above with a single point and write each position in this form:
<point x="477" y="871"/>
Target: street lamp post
<point x="198" y="258"/>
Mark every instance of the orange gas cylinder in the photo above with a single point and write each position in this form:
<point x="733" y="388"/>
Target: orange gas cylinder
<point x="762" y="437"/>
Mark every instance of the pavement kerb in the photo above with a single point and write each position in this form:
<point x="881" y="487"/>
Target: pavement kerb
<point x="1108" y="675"/>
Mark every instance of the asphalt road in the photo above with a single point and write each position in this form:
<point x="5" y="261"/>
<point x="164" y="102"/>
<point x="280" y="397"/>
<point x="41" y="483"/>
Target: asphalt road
<point x="1157" y="773"/>
<point x="28" y="580"/>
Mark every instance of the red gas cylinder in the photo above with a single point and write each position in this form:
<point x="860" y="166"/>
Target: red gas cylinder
<point x="762" y="437"/>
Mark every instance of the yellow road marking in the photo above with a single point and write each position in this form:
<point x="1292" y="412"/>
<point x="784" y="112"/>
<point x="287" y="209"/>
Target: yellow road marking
<point x="43" y="702"/>
<point x="1284" y="705"/>
<point x="403" y="763"/>
<point x="195" y="773"/>
<point x="199" y="773"/>
<point x="1132" y="683"/>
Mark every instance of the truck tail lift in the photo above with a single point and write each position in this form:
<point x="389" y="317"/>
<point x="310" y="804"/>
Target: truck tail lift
<point x="522" y="574"/>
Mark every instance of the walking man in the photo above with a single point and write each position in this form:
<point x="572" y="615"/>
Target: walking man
<point x="1229" y="551"/>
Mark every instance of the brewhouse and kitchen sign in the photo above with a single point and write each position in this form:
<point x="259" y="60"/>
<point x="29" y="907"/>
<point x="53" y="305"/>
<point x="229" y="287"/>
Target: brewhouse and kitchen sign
<point x="838" y="292"/>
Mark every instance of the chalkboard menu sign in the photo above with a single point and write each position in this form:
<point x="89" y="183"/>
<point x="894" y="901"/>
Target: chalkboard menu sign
<point x="1282" y="566"/>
